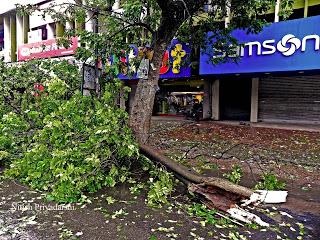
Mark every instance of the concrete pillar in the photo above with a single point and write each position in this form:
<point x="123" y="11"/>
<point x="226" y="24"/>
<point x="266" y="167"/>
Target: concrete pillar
<point x="215" y="100"/>
<point x="59" y="29"/>
<point x="276" y="11"/>
<point x="79" y="25"/>
<point x="7" y="41"/>
<point x="254" y="100"/>
<point x="122" y="99"/>
<point x="207" y="100"/>
<point x="305" y="12"/>
<point x="131" y="95"/>
<point x="228" y="14"/>
<point x="89" y="25"/>
<point x="69" y="25"/>
<point x="13" y="35"/>
<point x="50" y="31"/>
<point x="20" y="36"/>
<point x="26" y="28"/>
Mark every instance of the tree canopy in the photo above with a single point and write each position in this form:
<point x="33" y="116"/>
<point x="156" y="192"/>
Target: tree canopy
<point x="154" y="23"/>
<point x="147" y="22"/>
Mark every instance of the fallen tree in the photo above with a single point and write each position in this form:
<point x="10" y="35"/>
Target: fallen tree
<point x="53" y="151"/>
<point x="188" y="176"/>
<point x="160" y="21"/>
<point x="215" y="193"/>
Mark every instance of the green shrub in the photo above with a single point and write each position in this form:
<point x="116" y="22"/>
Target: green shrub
<point x="270" y="182"/>
<point x="160" y="184"/>
<point x="77" y="149"/>
<point x="22" y="91"/>
<point x="60" y="141"/>
<point x="235" y="175"/>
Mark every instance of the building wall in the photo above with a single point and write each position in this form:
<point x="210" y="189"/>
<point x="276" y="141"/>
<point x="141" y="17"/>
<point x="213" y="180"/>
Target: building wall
<point x="301" y="8"/>
<point x="36" y="28"/>
<point x="18" y="30"/>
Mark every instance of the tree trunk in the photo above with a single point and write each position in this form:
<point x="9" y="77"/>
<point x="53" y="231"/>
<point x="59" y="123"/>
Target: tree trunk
<point x="192" y="177"/>
<point x="215" y="193"/>
<point x="141" y="111"/>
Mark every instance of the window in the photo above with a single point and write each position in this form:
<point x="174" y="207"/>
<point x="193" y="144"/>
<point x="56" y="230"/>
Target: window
<point x="297" y="13"/>
<point x="314" y="10"/>
<point x="268" y="17"/>
<point x="1" y="39"/>
<point x="38" y="34"/>
<point x="44" y="34"/>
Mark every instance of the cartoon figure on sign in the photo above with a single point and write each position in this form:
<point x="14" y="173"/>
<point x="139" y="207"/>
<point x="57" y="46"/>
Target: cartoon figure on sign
<point x="177" y="53"/>
<point x="145" y="55"/>
<point x="165" y="63"/>
<point x="135" y="62"/>
<point x="132" y="61"/>
<point x="123" y="63"/>
<point x="145" y="52"/>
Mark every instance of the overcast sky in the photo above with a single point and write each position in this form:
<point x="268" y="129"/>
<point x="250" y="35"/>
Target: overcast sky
<point x="7" y="5"/>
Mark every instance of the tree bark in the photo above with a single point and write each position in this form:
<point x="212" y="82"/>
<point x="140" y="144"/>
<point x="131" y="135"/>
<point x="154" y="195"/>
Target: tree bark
<point x="192" y="177"/>
<point x="172" y="18"/>
<point x="141" y="111"/>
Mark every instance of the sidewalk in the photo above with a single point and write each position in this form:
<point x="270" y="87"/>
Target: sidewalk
<point x="272" y="125"/>
<point x="285" y="126"/>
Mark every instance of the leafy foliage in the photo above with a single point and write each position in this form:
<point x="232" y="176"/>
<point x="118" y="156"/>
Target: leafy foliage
<point x="235" y="175"/>
<point x="270" y="182"/>
<point x="160" y="184"/>
<point x="60" y="141"/>
<point x="201" y="211"/>
<point x="22" y="89"/>
<point x="209" y="216"/>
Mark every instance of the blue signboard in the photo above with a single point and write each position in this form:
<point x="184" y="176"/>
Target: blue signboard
<point x="174" y="63"/>
<point x="284" y="46"/>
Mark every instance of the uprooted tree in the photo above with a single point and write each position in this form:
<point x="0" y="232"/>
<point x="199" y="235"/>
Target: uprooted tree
<point x="155" y="23"/>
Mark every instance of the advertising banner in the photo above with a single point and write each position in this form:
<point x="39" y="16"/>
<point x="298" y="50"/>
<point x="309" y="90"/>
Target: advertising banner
<point x="45" y="49"/>
<point x="174" y="62"/>
<point x="280" y="47"/>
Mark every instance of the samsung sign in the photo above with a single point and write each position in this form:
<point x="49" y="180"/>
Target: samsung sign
<point x="285" y="46"/>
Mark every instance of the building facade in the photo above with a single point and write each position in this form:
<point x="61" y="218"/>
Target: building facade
<point x="277" y="90"/>
<point x="278" y="77"/>
<point x="273" y="86"/>
<point x="23" y="36"/>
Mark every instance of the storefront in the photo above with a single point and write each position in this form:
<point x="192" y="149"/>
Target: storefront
<point x="176" y="97"/>
<point x="178" y="90"/>
<point x="277" y="78"/>
<point x="293" y="99"/>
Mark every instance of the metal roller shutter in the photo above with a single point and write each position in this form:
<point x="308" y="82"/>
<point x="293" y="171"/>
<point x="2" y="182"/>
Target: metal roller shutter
<point x="290" y="99"/>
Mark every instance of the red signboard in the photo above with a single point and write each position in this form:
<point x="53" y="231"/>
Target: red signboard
<point x="45" y="49"/>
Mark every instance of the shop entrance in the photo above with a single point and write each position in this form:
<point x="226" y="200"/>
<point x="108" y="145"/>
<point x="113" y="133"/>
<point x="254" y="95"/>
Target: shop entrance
<point x="235" y="99"/>
<point x="179" y="98"/>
